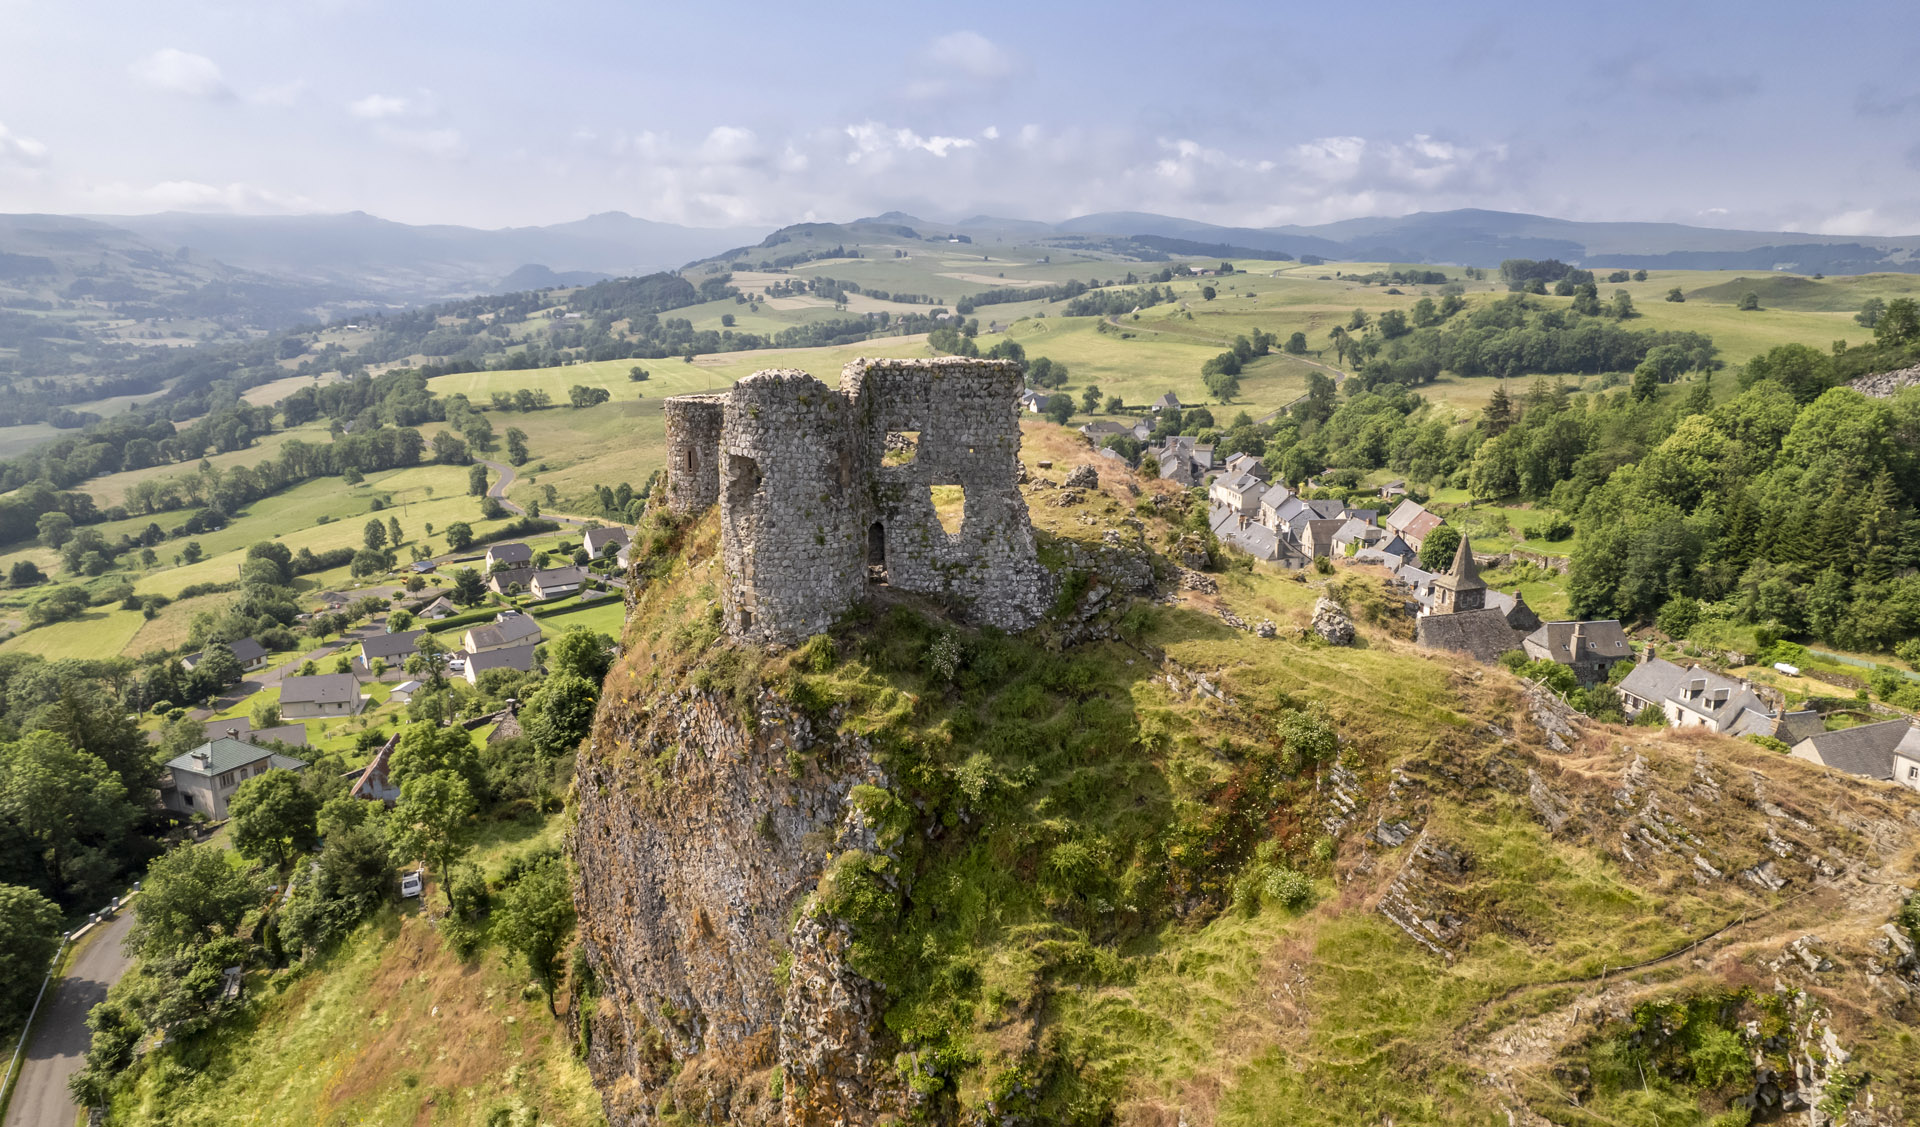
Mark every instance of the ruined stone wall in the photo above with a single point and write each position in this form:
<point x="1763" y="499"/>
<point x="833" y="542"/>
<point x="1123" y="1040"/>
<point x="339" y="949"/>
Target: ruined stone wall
<point x="967" y="416"/>
<point x="807" y="500"/>
<point x="789" y="529"/>
<point x="693" y="451"/>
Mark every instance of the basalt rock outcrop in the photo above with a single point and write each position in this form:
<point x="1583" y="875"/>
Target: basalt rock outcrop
<point x="700" y="834"/>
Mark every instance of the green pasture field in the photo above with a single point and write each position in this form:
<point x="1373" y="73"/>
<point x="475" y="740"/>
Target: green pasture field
<point x="100" y="632"/>
<point x="109" y="490"/>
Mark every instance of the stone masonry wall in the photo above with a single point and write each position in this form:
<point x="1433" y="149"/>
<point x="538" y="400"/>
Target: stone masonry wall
<point x="693" y="451"/>
<point x="789" y="533"/>
<point x="807" y="501"/>
<point x="967" y="414"/>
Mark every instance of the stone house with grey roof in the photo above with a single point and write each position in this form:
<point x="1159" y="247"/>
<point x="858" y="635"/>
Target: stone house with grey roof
<point x="1695" y="697"/>
<point x="1238" y="489"/>
<point x="1590" y="649"/>
<point x="1889" y="751"/>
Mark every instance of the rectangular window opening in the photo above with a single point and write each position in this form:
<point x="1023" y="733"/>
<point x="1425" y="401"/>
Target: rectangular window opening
<point x="950" y="507"/>
<point x="901" y="448"/>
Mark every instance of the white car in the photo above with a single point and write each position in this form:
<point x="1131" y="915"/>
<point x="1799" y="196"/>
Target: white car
<point x="412" y="884"/>
<point x="456" y="665"/>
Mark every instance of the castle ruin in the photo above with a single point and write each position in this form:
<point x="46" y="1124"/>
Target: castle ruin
<point x="813" y="510"/>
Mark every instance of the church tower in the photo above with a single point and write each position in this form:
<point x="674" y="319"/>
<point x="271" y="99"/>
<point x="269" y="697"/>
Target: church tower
<point x="1461" y="588"/>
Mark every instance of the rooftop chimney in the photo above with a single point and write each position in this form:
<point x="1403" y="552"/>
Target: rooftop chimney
<point x="233" y="733"/>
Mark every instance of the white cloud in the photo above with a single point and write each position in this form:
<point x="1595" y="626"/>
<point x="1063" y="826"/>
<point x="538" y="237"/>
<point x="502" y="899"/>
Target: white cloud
<point x="972" y="54"/>
<point x="960" y="62"/>
<point x="15" y="149"/>
<point x="373" y="107"/>
<point x="1859" y="221"/>
<point x="730" y="144"/>
<point x="174" y="71"/>
<point x="871" y="139"/>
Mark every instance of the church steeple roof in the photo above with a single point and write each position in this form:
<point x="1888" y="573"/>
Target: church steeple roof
<point x="1464" y="575"/>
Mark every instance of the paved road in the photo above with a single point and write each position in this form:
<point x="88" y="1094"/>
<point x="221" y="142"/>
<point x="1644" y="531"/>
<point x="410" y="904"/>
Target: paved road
<point x="503" y="477"/>
<point x="60" y="1041"/>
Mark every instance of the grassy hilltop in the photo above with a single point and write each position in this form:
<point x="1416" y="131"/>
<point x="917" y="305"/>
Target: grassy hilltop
<point x="1105" y="893"/>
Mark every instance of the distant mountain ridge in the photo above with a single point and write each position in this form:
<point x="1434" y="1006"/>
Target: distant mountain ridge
<point x="425" y="263"/>
<point x="1474" y="237"/>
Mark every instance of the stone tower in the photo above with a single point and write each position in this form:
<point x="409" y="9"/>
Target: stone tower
<point x="811" y="511"/>
<point x="1461" y="588"/>
<point x="789" y="525"/>
<point x="693" y="447"/>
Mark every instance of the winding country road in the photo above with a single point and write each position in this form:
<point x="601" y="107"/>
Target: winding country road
<point x="59" y="1044"/>
<point x="498" y="491"/>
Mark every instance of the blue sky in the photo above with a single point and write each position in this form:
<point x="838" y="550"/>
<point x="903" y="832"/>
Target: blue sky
<point x="1767" y="115"/>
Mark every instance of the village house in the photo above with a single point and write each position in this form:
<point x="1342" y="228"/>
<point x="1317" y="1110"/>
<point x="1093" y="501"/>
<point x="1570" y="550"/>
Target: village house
<point x="251" y="655"/>
<point x="1240" y="531"/>
<point x="1100" y="430"/>
<point x="513" y="555"/>
<point x="394" y="649"/>
<point x="1411" y="523"/>
<point x="403" y="692"/>
<point x="203" y="780"/>
<point x="373" y="783"/>
<point x="1239" y="490"/>
<point x="510" y="580"/>
<point x="1243" y="461"/>
<point x="1889" y="751"/>
<point x="1393" y="489"/>
<point x="1693" y="697"/>
<point x="508" y="629"/>
<point x="554" y="582"/>
<point x="437" y="609"/>
<point x="321" y="696"/>
<point x="1034" y="402"/>
<point x="596" y="540"/>
<point x="1183" y="460"/>
<point x="1169" y="400"/>
<point x="1590" y="649"/>
<point x="513" y="657"/>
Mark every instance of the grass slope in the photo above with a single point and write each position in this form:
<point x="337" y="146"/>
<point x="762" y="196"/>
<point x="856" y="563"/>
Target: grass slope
<point x="392" y="1028"/>
<point x="1075" y="950"/>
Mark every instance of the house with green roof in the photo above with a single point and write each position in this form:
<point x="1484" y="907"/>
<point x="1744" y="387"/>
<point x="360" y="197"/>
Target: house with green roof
<point x="203" y="780"/>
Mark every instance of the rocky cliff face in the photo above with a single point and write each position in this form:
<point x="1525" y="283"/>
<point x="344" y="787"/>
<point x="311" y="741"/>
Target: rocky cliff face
<point x="702" y="828"/>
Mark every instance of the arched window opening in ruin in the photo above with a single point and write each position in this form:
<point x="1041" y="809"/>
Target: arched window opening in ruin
<point x="689" y="459"/>
<point x="950" y="507"/>
<point x="743" y="480"/>
<point x="876" y="552"/>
